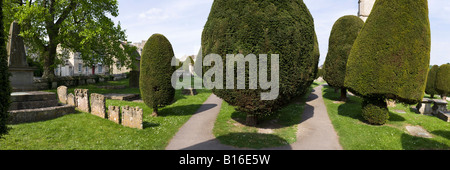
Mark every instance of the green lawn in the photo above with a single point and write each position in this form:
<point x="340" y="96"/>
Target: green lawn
<point x="277" y="130"/>
<point x="83" y="131"/>
<point x="355" y="134"/>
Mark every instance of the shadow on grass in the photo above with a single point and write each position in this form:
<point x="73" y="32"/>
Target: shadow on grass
<point x="417" y="143"/>
<point x="253" y="140"/>
<point x="185" y="110"/>
<point x="442" y="133"/>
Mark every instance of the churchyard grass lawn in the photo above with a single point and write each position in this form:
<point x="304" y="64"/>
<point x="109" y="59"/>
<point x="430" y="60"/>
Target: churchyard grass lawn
<point x="277" y="130"/>
<point x="83" y="131"/>
<point x="355" y="134"/>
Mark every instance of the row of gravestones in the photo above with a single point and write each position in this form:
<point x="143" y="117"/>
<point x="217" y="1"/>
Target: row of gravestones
<point x="96" y="105"/>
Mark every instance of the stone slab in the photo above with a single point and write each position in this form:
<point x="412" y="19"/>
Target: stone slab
<point x="445" y="116"/>
<point x="123" y="97"/>
<point x="62" y="94"/>
<point x="82" y="99"/>
<point x="132" y="117"/>
<point x="418" y="131"/>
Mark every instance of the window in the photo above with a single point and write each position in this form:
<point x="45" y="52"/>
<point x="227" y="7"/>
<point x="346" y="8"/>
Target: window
<point x="79" y="67"/>
<point x="100" y="69"/>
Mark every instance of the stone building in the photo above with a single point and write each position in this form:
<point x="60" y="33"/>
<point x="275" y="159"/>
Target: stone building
<point x="365" y="7"/>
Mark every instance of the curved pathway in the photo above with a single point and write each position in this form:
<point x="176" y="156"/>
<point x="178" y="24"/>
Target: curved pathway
<point x="315" y="131"/>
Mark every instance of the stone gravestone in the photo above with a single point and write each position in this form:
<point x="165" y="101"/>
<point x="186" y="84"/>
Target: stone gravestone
<point x="439" y="105"/>
<point x="424" y="107"/>
<point x="62" y="94"/>
<point x="71" y="100"/>
<point x="445" y="116"/>
<point x="21" y="74"/>
<point x="82" y="99"/>
<point x="114" y="113"/>
<point x="98" y="105"/>
<point x="132" y="117"/>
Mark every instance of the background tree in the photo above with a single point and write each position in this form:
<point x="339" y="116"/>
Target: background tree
<point x="343" y="35"/>
<point x="443" y="81"/>
<point x="263" y="27"/>
<point x="391" y="57"/>
<point x="5" y="88"/>
<point x="431" y="81"/>
<point x="156" y="73"/>
<point x="78" y="25"/>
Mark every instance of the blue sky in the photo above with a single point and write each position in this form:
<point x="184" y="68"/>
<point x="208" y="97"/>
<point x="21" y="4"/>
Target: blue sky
<point x="182" y="21"/>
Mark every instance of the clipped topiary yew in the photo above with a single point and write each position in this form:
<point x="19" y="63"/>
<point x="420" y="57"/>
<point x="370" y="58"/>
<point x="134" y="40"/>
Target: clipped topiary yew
<point x="343" y="35"/>
<point x="263" y="27"/>
<point x="391" y="56"/>
<point x="431" y="81"/>
<point x="443" y="80"/>
<point x="156" y="73"/>
<point x="5" y="88"/>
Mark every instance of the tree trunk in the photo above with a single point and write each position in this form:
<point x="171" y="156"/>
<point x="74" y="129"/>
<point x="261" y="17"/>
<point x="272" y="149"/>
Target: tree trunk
<point x="343" y="95"/>
<point x="432" y="96"/>
<point x="155" y="112"/>
<point x="251" y="120"/>
<point x="49" y="62"/>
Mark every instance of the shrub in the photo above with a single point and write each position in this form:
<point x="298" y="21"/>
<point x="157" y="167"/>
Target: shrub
<point x="343" y="35"/>
<point x="391" y="56"/>
<point x="156" y="73"/>
<point x="431" y="81"/>
<point x="375" y="111"/>
<point x="443" y="80"/>
<point x="263" y="27"/>
<point x="5" y="88"/>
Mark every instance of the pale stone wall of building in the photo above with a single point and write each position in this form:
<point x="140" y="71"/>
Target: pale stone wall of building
<point x="365" y="7"/>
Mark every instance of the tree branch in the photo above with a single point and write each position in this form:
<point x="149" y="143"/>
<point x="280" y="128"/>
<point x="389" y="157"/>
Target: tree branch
<point x="66" y="12"/>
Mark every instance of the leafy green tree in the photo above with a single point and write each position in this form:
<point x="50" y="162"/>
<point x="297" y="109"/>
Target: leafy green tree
<point x="263" y="27"/>
<point x="5" y="88"/>
<point x="156" y="73"/>
<point x="431" y="81"/>
<point x="391" y="56"/>
<point x="77" y="25"/>
<point x="343" y="35"/>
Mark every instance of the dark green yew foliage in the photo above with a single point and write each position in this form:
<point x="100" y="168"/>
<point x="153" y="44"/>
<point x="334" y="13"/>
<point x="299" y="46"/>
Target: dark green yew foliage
<point x="5" y="88"/>
<point x="391" y="56"/>
<point x="375" y="111"/>
<point x="431" y="81"/>
<point x="443" y="80"/>
<point x="343" y="35"/>
<point x="156" y="72"/>
<point x="283" y="27"/>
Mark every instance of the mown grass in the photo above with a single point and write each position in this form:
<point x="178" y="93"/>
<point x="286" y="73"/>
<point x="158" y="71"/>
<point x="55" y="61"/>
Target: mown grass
<point x="229" y="127"/>
<point x="83" y="131"/>
<point x="355" y="134"/>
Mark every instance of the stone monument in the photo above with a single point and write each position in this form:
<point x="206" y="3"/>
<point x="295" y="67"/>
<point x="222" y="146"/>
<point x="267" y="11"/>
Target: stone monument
<point x="365" y="7"/>
<point x="21" y="74"/>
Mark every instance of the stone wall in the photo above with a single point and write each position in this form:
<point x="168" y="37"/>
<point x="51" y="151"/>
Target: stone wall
<point x="73" y="81"/>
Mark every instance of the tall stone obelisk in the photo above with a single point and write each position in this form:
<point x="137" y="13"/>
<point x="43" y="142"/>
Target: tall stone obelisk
<point x="21" y="74"/>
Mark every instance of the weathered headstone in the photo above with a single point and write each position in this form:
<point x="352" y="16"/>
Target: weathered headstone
<point x="439" y="105"/>
<point x="424" y="107"/>
<point x="71" y="100"/>
<point x="98" y="105"/>
<point x="82" y="99"/>
<point x="21" y="74"/>
<point x="114" y="113"/>
<point x="132" y="117"/>
<point x="418" y="131"/>
<point x="62" y="94"/>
